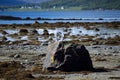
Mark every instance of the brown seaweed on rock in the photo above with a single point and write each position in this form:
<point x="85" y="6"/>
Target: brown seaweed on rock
<point x="74" y="57"/>
<point x="23" y="31"/>
<point x="9" y="66"/>
<point x="18" y="75"/>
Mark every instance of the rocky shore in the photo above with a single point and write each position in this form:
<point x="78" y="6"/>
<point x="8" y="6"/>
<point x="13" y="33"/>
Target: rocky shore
<point x="105" y="60"/>
<point x="23" y="48"/>
<point x="45" y="33"/>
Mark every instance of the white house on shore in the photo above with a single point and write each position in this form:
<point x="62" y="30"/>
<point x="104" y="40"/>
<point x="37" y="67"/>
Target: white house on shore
<point x="62" y="8"/>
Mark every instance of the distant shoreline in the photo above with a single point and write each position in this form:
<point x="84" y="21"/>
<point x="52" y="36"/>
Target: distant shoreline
<point x="4" y="17"/>
<point x="56" y="9"/>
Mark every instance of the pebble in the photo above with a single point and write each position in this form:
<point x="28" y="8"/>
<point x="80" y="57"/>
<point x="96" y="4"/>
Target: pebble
<point x="95" y="47"/>
<point x="114" y="54"/>
<point x="110" y="47"/>
<point x="115" y="51"/>
<point x="16" y="56"/>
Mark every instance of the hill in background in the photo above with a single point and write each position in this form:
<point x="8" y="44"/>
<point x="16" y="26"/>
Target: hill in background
<point x="59" y="4"/>
<point x="19" y="2"/>
<point x="83" y="4"/>
<point x="11" y="2"/>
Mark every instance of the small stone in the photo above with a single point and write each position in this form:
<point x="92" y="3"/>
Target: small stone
<point x="36" y="23"/>
<point x="23" y="31"/>
<point x="96" y="29"/>
<point x="114" y="54"/>
<point x="4" y="38"/>
<point x="100" y="59"/>
<point x="80" y="31"/>
<point x="54" y="72"/>
<point x="43" y="55"/>
<point x="115" y="51"/>
<point x="4" y="32"/>
<point x="34" y="31"/>
<point x="45" y="32"/>
<point x="17" y="56"/>
<point x="110" y="47"/>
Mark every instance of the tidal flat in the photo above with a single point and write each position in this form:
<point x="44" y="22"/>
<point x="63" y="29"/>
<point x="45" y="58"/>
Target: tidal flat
<point x="23" y="48"/>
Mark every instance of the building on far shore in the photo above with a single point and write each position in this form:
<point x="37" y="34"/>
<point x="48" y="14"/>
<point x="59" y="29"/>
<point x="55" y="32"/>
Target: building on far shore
<point x="62" y="8"/>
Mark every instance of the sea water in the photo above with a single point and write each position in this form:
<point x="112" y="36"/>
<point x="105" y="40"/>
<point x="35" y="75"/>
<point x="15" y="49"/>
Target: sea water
<point x="84" y="15"/>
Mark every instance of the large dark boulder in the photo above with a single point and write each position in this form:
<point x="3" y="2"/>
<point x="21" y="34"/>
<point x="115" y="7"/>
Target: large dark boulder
<point x="74" y="57"/>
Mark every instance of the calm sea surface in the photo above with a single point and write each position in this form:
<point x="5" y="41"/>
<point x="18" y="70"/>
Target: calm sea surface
<point x="85" y="15"/>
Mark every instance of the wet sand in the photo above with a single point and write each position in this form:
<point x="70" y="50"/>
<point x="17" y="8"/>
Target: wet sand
<point x="105" y="59"/>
